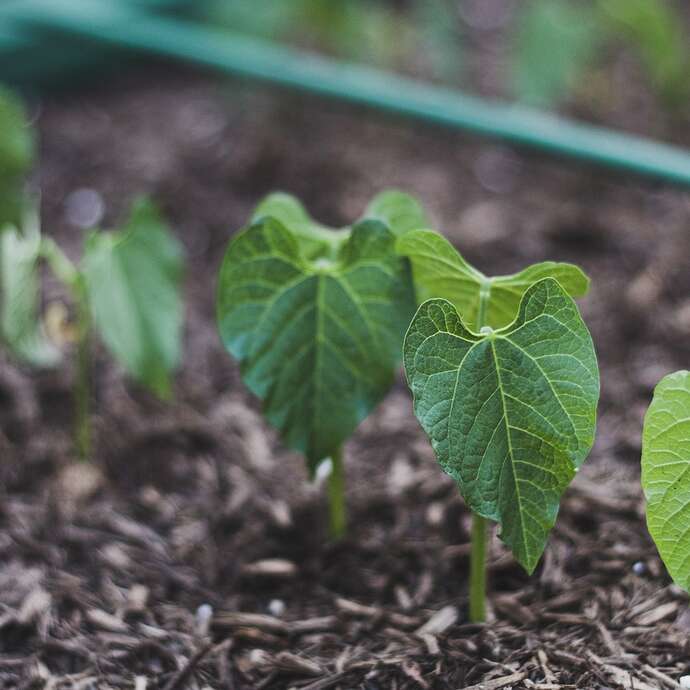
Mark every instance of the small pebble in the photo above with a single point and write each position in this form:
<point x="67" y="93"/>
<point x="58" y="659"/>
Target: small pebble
<point x="639" y="568"/>
<point x="276" y="607"/>
<point x="203" y="618"/>
<point x="685" y="681"/>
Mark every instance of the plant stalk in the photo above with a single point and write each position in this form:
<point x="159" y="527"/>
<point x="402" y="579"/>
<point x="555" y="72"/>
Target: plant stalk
<point x="478" y="537"/>
<point x="336" y="496"/>
<point x="82" y="392"/>
<point x="68" y="273"/>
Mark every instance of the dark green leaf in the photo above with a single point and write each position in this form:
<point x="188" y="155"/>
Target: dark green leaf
<point x="666" y="473"/>
<point x="440" y="271"/>
<point x="510" y="413"/>
<point x="317" y="338"/>
<point x="133" y="280"/>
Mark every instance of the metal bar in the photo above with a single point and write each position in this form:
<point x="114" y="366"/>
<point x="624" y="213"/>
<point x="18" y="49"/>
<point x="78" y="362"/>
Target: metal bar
<point x="217" y="49"/>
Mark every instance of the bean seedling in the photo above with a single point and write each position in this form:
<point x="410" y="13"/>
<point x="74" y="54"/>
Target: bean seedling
<point x="665" y="475"/>
<point x="126" y="287"/>
<point x="505" y="383"/>
<point x="316" y="317"/>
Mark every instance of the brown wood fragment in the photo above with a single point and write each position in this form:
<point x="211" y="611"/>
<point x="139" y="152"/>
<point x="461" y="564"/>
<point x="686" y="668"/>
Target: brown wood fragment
<point x="658" y="613"/>
<point x="232" y="619"/>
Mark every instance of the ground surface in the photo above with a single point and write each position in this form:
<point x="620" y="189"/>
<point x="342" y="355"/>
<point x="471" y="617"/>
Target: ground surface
<point x="192" y="551"/>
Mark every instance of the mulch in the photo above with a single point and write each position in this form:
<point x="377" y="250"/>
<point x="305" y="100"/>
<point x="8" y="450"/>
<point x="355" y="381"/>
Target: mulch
<point x="192" y="552"/>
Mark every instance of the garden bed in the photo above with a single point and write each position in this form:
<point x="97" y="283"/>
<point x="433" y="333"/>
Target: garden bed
<point x="193" y="552"/>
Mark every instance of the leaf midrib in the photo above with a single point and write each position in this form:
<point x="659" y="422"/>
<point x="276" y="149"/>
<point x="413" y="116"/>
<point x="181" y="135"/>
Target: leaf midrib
<point x="510" y="445"/>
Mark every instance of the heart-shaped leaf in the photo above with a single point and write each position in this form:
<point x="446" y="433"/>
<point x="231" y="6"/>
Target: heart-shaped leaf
<point x="133" y="280"/>
<point x="510" y="413"/>
<point x="317" y="338"/>
<point x="440" y="271"/>
<point x="666" y="473"/>
<point x="19" y="285"/>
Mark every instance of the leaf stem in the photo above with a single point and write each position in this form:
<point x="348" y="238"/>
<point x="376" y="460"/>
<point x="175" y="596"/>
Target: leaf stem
<point x="336" y="496"/>
<point x="70" y="275"/>
<point x="60" y="264"/>
<point x="478" y="538"/>
<point x="82" y="393"/>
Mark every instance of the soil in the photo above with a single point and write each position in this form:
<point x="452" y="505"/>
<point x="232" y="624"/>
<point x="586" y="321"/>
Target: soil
<point x="192" y="551"/>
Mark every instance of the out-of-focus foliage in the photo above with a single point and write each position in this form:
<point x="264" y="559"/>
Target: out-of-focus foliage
<point x="556" y="40"/>
<point x="358" y="30"/>
<point x="20" y="326"/>
<point x="556" y="48"/>
<point x="16" y="157"/>
<point x="660" y="37"/>
<point x="132" y="278"/>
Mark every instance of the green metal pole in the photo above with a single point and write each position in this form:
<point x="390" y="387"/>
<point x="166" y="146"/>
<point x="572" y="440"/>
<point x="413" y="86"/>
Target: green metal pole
<point x="246" y="57"/>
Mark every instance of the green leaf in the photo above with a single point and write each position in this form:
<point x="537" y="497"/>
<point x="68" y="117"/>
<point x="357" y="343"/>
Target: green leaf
<point x="666" y="473"/>
<point x="16" y="157"/>
<point x="317" y="339"/>
<point x="399" y="211"/>
<point x="510" y="413"/>
<point x="133" y="279"/>
<point x="440" y="271"/>
<point x="19" y="281"/>
<point x="556" y="41"/>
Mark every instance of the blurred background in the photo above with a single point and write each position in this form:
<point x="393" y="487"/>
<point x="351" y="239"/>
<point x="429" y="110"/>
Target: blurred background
<point x="620" y="61"/>
<point x="623" y="62"/>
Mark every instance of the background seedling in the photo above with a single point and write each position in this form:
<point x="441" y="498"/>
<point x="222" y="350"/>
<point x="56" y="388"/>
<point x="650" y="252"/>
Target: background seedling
<point x="316" y="317"/>
<point x="665" y="476"/>
<point x="126" y="288"/>
<point x="505" y="383"/>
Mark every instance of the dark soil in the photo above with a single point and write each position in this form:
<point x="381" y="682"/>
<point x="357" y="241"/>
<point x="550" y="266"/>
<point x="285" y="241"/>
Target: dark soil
<point x="192" y="552"/>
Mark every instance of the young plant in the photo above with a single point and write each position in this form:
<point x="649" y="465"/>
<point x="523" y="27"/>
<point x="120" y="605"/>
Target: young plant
<point x="666" y="473"/>
<point x="505" y="383"/>
<point x="126" y="288"/>
<point x="316" y="317"/>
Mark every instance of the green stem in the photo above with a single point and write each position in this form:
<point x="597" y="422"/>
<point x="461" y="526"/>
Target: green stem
<point x="68" y="273"/>
<point x="60" y="264"/>
<point x="478" y="541"/>
<point x="336" y="496"/>
<point x="478" y="570"/>
<point x="82" y="393"/>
